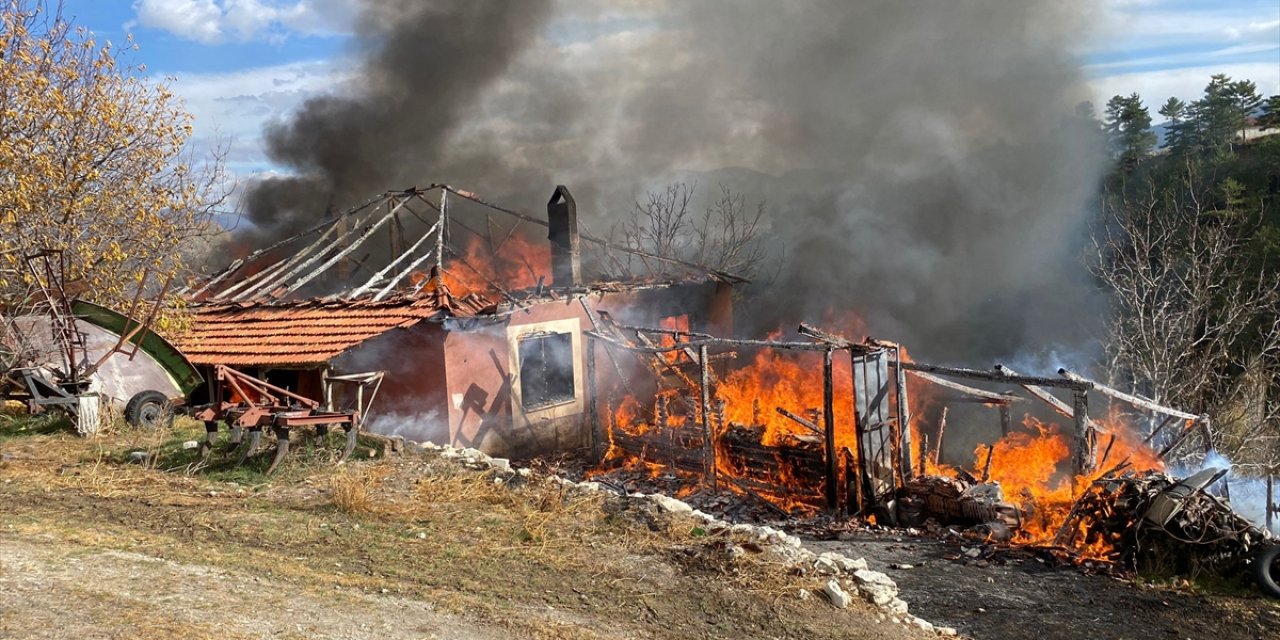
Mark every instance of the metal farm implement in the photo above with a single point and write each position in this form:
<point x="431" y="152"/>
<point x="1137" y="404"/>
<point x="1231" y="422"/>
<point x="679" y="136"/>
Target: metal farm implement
<point x="248" y="403"/>
<point x="72" y="355"/>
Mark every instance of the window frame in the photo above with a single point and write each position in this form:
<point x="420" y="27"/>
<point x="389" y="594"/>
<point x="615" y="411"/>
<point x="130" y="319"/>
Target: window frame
<point x="564" y="340"/>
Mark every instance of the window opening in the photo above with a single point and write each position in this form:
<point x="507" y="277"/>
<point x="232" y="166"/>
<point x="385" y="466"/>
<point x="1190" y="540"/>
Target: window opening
<point x="546" y="370"/>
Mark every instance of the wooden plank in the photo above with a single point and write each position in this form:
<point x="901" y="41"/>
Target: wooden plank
<point x="803" y="422"/>
<point x="829" y="429"/>
<point x="973" y="374"/>
<point x="708" y="443"/>
<point x="1135" y="400"/>
<point x="986" y="396"/>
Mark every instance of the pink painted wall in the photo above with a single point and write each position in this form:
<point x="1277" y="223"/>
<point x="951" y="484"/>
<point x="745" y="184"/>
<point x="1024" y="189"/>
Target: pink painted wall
<point x="457" y="383"/>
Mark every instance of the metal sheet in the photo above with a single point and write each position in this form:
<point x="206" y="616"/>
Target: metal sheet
<point x="872" y="382"/>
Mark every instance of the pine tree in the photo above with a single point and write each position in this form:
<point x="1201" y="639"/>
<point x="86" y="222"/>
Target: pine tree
<point x="1128" y="126"/>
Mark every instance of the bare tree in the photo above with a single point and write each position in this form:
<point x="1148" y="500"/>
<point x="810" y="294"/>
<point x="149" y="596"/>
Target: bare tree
<point x="1195" y="324"/>
<point x="726" y="236"/>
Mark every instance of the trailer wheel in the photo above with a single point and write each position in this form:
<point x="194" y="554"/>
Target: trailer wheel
<point x="148" y="409"/>
<point x="1266" y="570"/>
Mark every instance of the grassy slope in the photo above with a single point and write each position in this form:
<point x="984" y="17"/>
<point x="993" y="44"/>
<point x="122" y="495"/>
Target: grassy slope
<point x="527" y="558"/>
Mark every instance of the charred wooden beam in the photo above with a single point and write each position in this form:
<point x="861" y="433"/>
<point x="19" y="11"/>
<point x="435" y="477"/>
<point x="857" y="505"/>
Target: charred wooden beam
<point x="904" y="418"/>
<point x="670" y="332"/>
<point x="593" y="412"/>
<point x="708" y="447"/>
<point x="942" y="429"/>
<point x="713" y="342"/>
<point x="829" y="429"/>
<point x="1181" y="437"/>
<point x="1168" y="420"/>
<point x="1036" y="390"/>
<point x="1135" y="400"/>
<point x="1086" y="438"/>
<point x="368" y="232"/>
<point x="981" y="394"/>
<point x="808" y="424"/>
<point x="381" y="275"/>
<point x="833" y="340"/>
<point x="924" y="453"/>
<point x="973" y="374"/>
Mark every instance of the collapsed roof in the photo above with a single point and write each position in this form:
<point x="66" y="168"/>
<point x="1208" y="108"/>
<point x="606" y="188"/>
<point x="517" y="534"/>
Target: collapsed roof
<point x="390" y="263"/>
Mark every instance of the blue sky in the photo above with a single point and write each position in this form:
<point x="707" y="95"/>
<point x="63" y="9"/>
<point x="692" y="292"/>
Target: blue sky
<point x="240" y="63"/>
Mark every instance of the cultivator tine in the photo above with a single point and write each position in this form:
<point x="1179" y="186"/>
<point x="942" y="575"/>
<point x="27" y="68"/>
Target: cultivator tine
<point x="210" y="438"/>
<point x="317" y="438"/>
<point x="237" y="435"/>
<point x="282" y="446"/>
<point x="255" y="439"/>
<point x="352" y="433"/>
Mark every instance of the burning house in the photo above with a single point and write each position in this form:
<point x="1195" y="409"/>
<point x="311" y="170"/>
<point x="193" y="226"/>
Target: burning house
<point x="437" y="325"/>
<point x="478" y="336"/>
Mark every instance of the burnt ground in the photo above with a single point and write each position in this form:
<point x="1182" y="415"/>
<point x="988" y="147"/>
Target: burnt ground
<point x="1028" y="599"/>
<point x="1011" y="597"/>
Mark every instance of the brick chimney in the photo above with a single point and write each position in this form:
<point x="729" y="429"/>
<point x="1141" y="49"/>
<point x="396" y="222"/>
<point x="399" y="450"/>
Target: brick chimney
<point x="562" y="218"/>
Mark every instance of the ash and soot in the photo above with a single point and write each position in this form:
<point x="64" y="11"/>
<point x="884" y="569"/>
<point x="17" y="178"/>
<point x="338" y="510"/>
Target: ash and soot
<point x="922" y="163"/>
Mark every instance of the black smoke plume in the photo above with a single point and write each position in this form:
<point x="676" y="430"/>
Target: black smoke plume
<point x="920" y="159"/>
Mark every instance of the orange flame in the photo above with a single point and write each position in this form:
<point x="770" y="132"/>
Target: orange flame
<point x="517" y="263"/>
<point x="1033" y="469"/>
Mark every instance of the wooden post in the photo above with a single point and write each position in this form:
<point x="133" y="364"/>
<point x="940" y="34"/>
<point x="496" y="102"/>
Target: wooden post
<point x="1271" y="505"/>
<point x="708" y="441"/>
<point x="829" y="427"/>
<point x="444" y="228"/>
<point x="1006" y="420"/>
<point x="942" y="429"/>
<point x="986" y="467"/>
<point x="904" y="416"/>
<point x="862" y="492"/>
<point x="327" y="385"/>
<point x="593" y="412"/>
<point x="924" y="452"/>
<point x="1084" y="458"/>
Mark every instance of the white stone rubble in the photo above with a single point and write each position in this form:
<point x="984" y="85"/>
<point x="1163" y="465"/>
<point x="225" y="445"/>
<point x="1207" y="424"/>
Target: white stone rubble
<point x="836" y="594"/>
<point x="873" y="586"/>
<point x="670" y="505"/>
<point x="878" y="588"/>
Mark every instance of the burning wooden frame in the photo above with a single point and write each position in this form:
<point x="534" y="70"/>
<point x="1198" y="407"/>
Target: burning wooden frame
<point x="849" y="465"/>
<point x="850" y="451"/>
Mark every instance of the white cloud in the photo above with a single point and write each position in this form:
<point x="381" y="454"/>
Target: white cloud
<point x="1186" y="83"/>
<point x="197" y="20"/>
<point x="1163" y="48"/>
<point x="219" y="21"/>
<point x="1147" y="24"/>
<point x="232" y="108"/>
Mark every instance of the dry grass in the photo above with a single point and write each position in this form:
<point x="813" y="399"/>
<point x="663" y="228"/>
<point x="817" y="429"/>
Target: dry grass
<point x="499" y="552"/>
<point x="351" y="489"/>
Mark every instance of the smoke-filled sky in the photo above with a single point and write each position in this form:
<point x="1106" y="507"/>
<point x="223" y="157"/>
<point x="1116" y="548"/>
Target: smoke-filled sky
<point x="920" y="160"/>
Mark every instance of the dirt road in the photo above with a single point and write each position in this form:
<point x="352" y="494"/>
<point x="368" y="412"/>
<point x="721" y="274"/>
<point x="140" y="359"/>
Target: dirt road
<point x="54" y="590"/>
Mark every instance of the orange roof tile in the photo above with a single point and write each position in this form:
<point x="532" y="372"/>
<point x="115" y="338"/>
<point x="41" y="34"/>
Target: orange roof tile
<point x="309" y="331"/>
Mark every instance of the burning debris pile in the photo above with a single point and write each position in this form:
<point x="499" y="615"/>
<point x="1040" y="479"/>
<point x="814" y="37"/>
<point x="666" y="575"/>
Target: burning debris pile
<point x="797" y="434"/>
<point x="960" y="501"/>
<point x="1147" y="520"/>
